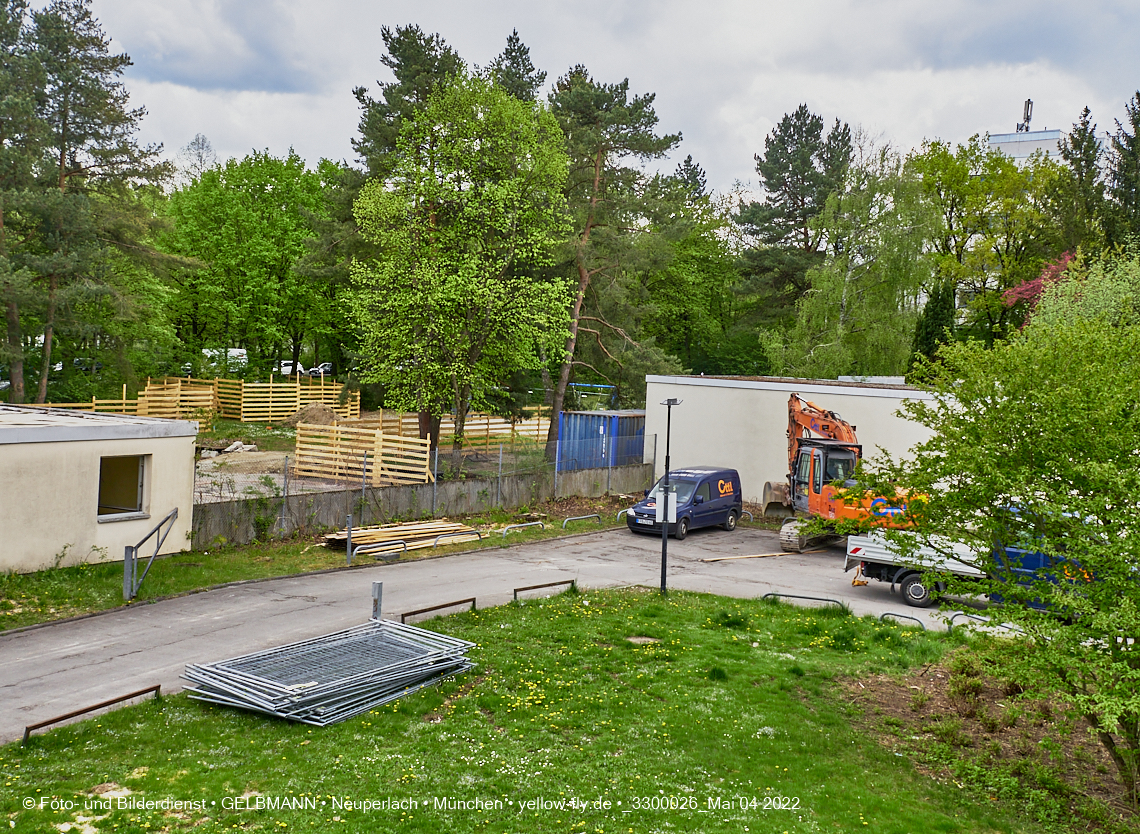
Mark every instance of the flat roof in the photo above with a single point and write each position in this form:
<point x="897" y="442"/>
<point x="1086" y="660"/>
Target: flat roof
<point x="798" y="386"/>
<point x="36" y="424"/>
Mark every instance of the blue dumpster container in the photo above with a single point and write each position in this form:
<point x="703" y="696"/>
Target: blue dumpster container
<point x="597" y="439"/>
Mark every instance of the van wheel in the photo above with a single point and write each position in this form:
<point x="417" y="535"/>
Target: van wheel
<point x="682" y="529"/>
<point x="730" y="522"/>
<point x="915" y="592"/>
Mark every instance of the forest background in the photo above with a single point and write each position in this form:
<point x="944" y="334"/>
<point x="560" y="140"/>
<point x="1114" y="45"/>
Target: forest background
<point x="500" y="241"/>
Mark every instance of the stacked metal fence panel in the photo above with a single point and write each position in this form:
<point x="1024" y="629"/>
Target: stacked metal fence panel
<point x="599" y="439"/>
<point x="332" y="678"/>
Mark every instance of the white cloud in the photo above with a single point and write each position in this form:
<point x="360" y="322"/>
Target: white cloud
<point x="275" y="73"/>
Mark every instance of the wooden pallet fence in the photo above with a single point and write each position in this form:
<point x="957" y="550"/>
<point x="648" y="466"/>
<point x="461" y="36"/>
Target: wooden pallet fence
<point x="338" y="453"/>
<point x="480" y="431"/>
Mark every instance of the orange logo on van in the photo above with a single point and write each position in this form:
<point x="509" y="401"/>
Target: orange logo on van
<point x="725" y="487"/>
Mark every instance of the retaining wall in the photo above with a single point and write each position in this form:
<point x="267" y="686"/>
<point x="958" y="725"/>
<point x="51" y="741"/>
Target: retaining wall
<point x="240" y="522"/>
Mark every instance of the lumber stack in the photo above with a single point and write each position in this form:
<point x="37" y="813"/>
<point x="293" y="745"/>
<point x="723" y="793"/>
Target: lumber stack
<point x="417" y="534"/>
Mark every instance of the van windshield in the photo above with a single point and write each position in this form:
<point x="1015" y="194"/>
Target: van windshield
<point x="684" y="490"/>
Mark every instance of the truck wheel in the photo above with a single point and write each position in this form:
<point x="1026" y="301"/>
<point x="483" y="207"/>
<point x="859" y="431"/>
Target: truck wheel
<point x="730" y="522"/>
<point x="915" y="592"/>
<point x="682" y="528"/>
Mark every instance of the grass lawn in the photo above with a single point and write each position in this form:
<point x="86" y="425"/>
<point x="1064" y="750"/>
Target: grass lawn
<point x="723" y="716"/>
<point x="53" y="594"/>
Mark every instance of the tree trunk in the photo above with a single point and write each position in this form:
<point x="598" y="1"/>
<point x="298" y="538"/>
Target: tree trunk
<point x="49" y="332"/>
<point x="16" y="351"/>
<point x="12" y="322"/>
<point x="429" y="428"/>
<point x="462" y="398"/>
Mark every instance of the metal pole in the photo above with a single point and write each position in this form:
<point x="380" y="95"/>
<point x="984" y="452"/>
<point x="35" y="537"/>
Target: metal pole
<point x="363" y="484"/>
<point x="499" y="485"/>
<point x="128" y="579"/>
<point x="664" y="498"/>
<point x="348" y="548"/>
<point x="435" y="482"/>
<point x="377" y="598"/>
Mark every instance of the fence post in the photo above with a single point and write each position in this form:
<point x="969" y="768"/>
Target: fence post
<point x="285" y="500"/>
<point x="348" y="541"/>
<point x="499" y="485"/>
<point x="435" y="481"/>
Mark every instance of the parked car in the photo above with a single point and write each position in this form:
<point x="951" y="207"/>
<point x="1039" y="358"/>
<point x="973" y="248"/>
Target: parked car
<point x="706" y="496"/>
<point x="289" y="369"/>
<point x="323" y="369"/>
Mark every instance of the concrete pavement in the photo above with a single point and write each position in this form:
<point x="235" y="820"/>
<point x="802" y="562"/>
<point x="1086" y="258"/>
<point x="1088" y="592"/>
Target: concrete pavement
<point x="49" y="671"/>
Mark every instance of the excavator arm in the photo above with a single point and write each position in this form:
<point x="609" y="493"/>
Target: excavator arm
<point x="806" y="417"/>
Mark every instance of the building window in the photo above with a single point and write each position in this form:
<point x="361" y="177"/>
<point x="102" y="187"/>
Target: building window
<point x="121" y="485"/>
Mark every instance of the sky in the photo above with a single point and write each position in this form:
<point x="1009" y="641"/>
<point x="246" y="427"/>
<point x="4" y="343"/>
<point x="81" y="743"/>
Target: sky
<point x="274" y="74"/>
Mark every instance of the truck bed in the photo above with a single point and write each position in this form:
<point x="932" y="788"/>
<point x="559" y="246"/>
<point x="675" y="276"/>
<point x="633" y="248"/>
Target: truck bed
<point x="876" y="549"/>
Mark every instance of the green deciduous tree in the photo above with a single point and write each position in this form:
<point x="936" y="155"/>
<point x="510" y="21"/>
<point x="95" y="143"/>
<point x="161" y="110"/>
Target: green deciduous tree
<point x="992" y="226"/>
<point x="858" y="314"/>
<point x="449" y="307"/>
<point x="246" y="224"/>
<point x="1033" y="446"/>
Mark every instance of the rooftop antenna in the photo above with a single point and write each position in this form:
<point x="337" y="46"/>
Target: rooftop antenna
<point x="1023" y="127"/>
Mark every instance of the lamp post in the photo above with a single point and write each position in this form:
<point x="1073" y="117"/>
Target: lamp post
<point x="663" y="499"/>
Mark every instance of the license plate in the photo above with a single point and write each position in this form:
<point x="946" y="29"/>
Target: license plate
<point x="643" y="521"/>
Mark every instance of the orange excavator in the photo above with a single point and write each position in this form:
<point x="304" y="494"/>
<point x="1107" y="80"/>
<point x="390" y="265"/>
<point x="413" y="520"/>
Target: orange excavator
<point x="814" y="464"/>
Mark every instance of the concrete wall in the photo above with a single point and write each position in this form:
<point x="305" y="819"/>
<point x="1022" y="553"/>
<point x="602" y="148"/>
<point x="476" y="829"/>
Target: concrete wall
<point x="49" y="496"/>
<point x="240" y="522"/>
<point x="743" y="423"/>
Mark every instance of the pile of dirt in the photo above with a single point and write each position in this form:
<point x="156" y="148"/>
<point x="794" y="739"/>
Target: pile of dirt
<point x="314" y="414"/>
<point x="986" y="722"/>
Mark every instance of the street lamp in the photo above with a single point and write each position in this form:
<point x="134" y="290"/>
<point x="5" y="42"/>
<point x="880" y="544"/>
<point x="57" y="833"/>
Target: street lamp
<point x="663" y="499"/>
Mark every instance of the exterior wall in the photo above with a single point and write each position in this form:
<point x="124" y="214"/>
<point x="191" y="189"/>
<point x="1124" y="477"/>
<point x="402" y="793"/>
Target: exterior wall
<point x="49" y="496"/>
<point x="743" y="423"/>
<point x="237" y="522"/>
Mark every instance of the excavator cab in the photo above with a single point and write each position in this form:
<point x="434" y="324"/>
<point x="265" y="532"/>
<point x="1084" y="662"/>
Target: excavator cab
<point x="818" y="463"/>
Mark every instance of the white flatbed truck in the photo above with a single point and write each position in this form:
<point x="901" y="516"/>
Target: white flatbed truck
<point x="877" y="559"/>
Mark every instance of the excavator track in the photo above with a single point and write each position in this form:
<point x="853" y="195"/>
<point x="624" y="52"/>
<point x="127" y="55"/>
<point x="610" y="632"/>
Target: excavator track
<point x="790" y="538"/>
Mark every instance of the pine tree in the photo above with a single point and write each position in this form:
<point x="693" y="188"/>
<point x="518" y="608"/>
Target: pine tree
<point x="420" y="62"/>
<point x="1084" y="209"/>
<point x="935" y="324"/>
<point x="1124" y="175"/>
<point x="514" y="72"/>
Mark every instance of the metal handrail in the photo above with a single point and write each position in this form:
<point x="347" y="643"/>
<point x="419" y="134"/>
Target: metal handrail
<point x="456" y="533"/>
<point x="520" y="526"/>
<point x="156" y="689"/>
<point x="902" y="617"/>
<point x="571" y="582"/>
<point x="950" y="624"/>
<point x="376" y="547"/>
<point x="581" y="518"/>
<point x="797" y="596"/>
<point x="406" y="614"/>
<point x="749" y="514"/>
<point x="131" y="585"/>
<point x="620" y="513"/>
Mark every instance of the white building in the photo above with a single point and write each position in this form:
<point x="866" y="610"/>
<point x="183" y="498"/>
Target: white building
<point x="742" y="422"/>
<point x="80" y="486"/>
<point x="1020" y="146"/>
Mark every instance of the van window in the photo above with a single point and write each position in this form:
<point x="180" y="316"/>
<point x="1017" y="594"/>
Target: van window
<point x="817" y="475"/>
<point x="683" y="489"/>
<point x="703" y="491"/>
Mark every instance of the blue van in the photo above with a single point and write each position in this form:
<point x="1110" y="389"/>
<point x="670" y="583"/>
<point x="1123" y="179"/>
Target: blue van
<point x="706" y="496"/>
